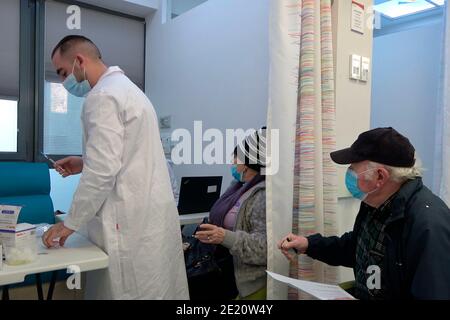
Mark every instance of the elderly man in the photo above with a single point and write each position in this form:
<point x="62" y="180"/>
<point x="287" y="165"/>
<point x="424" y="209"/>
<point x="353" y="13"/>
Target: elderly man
<point x="401" y="236"/>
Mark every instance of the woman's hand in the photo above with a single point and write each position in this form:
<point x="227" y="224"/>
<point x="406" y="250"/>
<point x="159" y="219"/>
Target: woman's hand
<point x="210" y="234"/>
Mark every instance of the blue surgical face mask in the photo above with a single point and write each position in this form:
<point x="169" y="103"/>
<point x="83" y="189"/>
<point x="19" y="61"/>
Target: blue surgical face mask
<point x="351" y="182"/>
<point x="78" y="89"/>
<point x="238" y="176"/>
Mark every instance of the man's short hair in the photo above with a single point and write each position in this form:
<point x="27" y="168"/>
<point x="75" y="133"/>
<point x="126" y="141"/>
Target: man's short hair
<point x="69" y="42"/>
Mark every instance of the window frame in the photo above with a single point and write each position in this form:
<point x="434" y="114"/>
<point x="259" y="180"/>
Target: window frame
<point x="25" y="104"/>
<point x="30" y="139"/>
<point x="40" y="73"/>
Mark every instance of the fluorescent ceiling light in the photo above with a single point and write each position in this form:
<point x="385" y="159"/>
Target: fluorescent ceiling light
<point x="399" y="8"/>
<point x="438" y="2"/>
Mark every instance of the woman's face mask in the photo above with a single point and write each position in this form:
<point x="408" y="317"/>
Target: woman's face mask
<point x="236" y="174"/>
<point x="78" y="89"/>
<point x="351" y="182"/>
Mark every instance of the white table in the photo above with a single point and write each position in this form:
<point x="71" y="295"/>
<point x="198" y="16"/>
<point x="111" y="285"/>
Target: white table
<point x="192" y="218"/>
<point x="77" y="251"/>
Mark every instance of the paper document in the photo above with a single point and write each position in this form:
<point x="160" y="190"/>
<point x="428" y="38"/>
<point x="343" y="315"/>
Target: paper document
<point x="319" y="290"/>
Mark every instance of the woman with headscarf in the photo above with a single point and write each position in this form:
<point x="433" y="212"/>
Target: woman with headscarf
<point x="237" y="221"/>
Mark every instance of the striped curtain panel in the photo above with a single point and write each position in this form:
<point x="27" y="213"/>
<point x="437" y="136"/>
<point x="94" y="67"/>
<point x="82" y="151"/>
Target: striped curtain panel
<point x="315" y="198"/>
<point x="315" y="194"/>
<point x="282" y="110"/>
<point x="302" y="196"/>
<point x="442" y="146"/>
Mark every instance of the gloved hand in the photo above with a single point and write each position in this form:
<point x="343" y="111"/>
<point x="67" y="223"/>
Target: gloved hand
<point x="57" y="234"/>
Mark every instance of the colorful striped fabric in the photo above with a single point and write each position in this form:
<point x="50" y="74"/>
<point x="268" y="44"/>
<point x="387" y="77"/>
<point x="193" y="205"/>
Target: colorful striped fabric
<point x="315" y="194"/>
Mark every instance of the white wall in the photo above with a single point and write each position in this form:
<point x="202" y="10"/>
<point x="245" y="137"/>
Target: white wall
<point x="62" y="190"/>
<point x="406" y="76"/>
<point x="353" y="99"/>
<point x="210" y="64"/>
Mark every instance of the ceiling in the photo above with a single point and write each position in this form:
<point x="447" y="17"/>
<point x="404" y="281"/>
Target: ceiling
<point x="397" y="9"/>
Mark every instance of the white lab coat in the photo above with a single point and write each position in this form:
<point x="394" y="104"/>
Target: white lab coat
<point x="125" y="197"/>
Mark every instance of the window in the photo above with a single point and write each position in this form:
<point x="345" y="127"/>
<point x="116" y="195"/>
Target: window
<point x="8" y="125"/>
<point x="36" y="112"/>
<point x="62" y="126"/>
<point x="9" y="74"/>
<point x="121" y="40"/>
<point x="178" y="7"/>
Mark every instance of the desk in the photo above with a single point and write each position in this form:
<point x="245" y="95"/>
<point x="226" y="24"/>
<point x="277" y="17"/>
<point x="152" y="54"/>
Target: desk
<point x="184" y="219"/>
<point x="192" y="218"/>
<point x="77" y="251"/>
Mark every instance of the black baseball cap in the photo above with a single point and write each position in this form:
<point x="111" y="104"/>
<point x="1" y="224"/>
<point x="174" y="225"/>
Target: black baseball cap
<point x="382" y="145"/>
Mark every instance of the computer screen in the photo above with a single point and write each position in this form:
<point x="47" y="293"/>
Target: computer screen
<point x="198" y="194"/>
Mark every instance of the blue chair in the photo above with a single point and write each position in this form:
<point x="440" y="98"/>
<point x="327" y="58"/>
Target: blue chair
<point x="27" y="184"/>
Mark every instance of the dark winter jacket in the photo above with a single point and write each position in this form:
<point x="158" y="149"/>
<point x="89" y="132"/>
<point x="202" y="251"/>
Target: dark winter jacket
<point x="417" y="258"/>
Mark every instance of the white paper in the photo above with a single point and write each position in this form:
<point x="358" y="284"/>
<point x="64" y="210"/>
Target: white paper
<point x="212" y="189"/>
<point x="319" y="290"/>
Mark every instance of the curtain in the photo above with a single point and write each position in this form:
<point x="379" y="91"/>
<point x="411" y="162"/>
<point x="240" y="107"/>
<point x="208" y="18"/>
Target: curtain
<point x="441" y="168"/>
<point x="302" y="60"/>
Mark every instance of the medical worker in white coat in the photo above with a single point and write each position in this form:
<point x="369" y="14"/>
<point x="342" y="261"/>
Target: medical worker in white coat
<point x="124" y="195"/>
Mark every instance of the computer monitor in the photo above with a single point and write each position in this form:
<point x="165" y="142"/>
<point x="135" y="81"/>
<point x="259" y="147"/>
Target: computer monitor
<point x="198" y="194"/>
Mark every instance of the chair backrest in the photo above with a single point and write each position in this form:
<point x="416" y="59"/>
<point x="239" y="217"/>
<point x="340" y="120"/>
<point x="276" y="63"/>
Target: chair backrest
<point x="27" y="184"/>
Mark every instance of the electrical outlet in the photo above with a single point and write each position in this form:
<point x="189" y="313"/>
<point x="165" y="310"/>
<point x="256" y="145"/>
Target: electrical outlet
<point x="355" y="67"/>
<point x="365" y="69"/>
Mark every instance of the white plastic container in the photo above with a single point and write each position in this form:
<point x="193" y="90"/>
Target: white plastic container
<point x="1" y="257"/>
<point x="20" y="255"/>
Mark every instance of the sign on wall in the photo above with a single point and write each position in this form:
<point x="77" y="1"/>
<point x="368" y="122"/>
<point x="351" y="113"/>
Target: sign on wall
<point x="358" y="14"/>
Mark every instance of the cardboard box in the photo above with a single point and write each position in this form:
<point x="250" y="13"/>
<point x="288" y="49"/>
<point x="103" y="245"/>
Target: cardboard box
<point x="18" y="240"/>
<point x="21" y="236"/>
<point x="9" y="216"/>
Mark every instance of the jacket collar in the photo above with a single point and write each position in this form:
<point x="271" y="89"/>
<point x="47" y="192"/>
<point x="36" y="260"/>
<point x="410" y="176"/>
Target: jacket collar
<point x="407" y="190"/>
<point x="109" y="71"/>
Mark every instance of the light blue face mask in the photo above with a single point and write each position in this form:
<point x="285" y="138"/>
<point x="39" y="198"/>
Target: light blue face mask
<point x="78" y="89"/>
<point x="238" y="176"/>
<point x="351" y="182"/>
